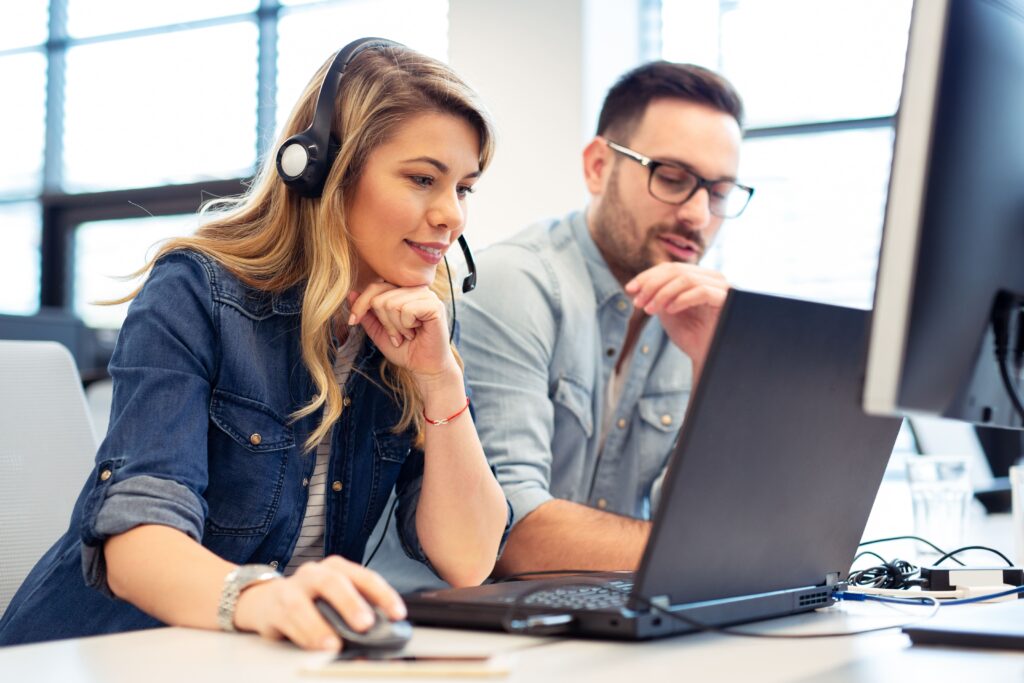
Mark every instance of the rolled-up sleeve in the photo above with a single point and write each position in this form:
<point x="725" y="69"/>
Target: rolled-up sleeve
<point x="509" y="329"/>
<point x="152" y="466"/>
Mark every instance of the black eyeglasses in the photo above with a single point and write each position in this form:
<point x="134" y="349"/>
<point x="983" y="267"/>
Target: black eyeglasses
<point x="676" y="184"/>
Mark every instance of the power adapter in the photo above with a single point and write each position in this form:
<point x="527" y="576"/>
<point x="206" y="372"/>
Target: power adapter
<point x="974" y="582"/>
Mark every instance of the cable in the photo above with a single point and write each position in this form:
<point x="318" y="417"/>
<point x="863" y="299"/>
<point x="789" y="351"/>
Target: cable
<point x="949" y="555"/>
<point x="897" y="574"/>
<point x="1003" y="309"/>
<point x="868" y="552"/>
<point x="984" y="598"/>
<point x="910" y="538"/>
<point x="451" y="290"/>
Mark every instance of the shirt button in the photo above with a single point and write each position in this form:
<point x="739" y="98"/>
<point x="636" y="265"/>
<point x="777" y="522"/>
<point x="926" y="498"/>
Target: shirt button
<point x="602" y="503"/>
<point x="336" y="486"/>
<point x="610" y="352"/>
<point x="666" y="420"/>
<point x="274" y="564"/>
<point x="622" y="305"/>
<point x="645" y="348"/>
<point x="621" y="423"/>
<point x="305" y="481"/>
<point x="104" y="475"/>
<point x="346" y="401"/>
<point x="255" y="439"/>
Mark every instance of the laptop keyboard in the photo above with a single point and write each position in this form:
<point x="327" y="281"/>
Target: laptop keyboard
<point x="609" y="595"/>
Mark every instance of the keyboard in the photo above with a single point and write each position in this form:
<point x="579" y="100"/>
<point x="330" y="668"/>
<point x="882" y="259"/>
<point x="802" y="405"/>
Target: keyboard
<point x="608" y="595"/>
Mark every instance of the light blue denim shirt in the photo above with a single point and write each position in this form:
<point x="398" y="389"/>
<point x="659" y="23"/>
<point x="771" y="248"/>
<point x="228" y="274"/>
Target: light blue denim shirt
<point x="540" y="337"/>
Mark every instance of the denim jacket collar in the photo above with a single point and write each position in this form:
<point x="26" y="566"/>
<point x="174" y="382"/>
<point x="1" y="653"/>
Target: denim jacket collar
<point x="606" y="287"/>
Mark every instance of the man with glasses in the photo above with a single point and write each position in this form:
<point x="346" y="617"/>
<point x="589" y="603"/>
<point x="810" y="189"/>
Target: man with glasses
<point x="586" y="334"/>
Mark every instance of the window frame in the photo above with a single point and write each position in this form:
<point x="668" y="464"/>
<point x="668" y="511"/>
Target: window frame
<point x="61" y="212"/>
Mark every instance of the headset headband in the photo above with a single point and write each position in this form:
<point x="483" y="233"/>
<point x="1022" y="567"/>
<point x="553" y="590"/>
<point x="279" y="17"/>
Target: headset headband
<point x="304" y="159"/>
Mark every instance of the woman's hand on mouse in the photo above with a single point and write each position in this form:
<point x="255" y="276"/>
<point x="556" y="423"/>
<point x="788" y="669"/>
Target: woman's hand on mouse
<point x="284" y="608"/>
<point x="408" y="324"/>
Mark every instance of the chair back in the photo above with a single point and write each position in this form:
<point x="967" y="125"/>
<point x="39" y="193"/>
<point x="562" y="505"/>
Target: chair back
<point x="47" y="449"/>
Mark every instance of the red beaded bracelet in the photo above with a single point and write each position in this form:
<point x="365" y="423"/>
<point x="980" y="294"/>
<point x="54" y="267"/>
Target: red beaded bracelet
<point x="447" y="419"/>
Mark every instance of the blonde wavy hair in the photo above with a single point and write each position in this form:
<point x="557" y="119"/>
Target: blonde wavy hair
<point x="273" y="239"/>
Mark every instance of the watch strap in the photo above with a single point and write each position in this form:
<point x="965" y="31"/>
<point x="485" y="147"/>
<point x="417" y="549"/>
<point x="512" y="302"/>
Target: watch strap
<point x="237" y="580"/>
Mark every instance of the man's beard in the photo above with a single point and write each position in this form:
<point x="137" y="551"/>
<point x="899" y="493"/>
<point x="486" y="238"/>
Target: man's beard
<point x="626" y="253"/>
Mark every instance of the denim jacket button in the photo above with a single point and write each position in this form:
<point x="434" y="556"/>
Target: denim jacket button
<point x="346" y="401"/>
<point x="602" y="503"/>
<point x="621" y="423"/>
<point x="305" y="482"/>
<point x="336" y="486"/>
<point x="666" y="420"/>
<point x="104" y="475"/>
<point x="255" y="439"/>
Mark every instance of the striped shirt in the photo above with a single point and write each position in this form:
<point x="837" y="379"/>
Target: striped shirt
<point x="310" y="546"/>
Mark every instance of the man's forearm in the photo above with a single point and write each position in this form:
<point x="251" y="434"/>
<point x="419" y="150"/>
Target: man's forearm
<point x="564" y="535"/>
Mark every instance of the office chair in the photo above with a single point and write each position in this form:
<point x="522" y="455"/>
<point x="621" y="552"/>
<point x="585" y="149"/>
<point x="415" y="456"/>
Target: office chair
<point x="47" y="448"/>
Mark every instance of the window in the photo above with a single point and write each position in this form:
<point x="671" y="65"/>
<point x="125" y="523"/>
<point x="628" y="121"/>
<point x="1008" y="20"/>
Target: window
<point x="19" y="258"/>
<point x="308" y="34"/>
<point x="171" y="108"/>
<point x="821" y="83"/>
<point x="88" y="18"/>
<point x="25" y="27"/>
<point x="23" y="82"/>
<point x="107" y="252"/>
<point x="121" y="108"/>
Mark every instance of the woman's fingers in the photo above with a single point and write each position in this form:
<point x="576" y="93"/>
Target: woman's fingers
<point x="286" y="607"/>
<point x="373" y="586"/>
<point x="402" y="311"/>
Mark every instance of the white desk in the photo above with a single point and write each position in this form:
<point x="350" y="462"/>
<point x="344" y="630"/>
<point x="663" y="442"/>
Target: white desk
<point x="179" y="655"/>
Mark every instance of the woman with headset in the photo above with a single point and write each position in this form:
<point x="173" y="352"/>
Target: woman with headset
<point x="281" y="373"/>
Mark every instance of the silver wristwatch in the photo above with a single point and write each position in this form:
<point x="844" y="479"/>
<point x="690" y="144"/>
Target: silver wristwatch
<point x="237" y="580"/>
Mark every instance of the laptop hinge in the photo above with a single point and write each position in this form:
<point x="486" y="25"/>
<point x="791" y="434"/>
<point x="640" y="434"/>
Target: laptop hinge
<point x="660" y="601"/>
<point x="832" y="578"/>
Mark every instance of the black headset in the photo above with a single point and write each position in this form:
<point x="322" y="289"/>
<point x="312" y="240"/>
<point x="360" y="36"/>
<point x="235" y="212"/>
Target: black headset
<point x="304" y="159"/>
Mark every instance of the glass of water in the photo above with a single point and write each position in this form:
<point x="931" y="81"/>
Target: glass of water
<point x="940" y="488"/>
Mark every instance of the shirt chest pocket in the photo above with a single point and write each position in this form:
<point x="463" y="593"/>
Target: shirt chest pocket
<point x="390" y="453"/>
<point x="573" y="401"/>
<point x="248" y="450"/>
<point x="658" y="420"/>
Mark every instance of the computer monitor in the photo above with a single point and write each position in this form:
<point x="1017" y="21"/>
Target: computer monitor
<point x="947" y="333"/>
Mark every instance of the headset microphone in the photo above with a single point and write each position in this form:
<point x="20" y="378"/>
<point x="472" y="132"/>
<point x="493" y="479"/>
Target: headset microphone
<point x="469" y="284"/>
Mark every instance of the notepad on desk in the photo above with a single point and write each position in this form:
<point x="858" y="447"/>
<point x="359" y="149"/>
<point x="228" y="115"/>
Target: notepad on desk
<point x="998" y="626"/>
<point x="417" y="666"/>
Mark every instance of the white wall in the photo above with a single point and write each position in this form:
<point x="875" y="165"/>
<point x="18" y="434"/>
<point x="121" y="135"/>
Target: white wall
<point x="542" y="67"/>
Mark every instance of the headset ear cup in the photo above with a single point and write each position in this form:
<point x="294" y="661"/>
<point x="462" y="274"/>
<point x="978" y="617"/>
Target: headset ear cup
<point x="302" y="166"/>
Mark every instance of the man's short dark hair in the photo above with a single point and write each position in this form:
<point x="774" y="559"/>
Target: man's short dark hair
<point x="627" y="101"/>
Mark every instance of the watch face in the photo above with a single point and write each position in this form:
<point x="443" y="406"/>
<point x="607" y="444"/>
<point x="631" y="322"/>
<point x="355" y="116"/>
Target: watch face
<point x="254" y="572"/>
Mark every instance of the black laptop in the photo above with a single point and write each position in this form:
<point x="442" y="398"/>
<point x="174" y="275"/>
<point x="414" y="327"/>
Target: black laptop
<point x="768" y="491"/>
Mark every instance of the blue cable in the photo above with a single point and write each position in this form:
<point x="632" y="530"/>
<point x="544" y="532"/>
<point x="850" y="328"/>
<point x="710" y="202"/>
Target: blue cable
<point x="910" y="600"/>
<point x="981" y="598"/>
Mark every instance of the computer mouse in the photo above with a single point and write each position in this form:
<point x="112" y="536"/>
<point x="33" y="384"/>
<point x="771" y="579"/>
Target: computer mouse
<point x="382" y="636"/>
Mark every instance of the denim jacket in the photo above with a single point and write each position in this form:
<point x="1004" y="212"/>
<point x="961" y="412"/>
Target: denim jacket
<point x="207" y="372"/>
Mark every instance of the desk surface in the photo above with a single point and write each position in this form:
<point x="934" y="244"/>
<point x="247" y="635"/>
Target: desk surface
<point x="178" y="655"/>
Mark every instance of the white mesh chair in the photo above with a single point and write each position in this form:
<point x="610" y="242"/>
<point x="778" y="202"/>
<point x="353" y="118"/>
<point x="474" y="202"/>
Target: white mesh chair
<point x="47" y="448"/>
